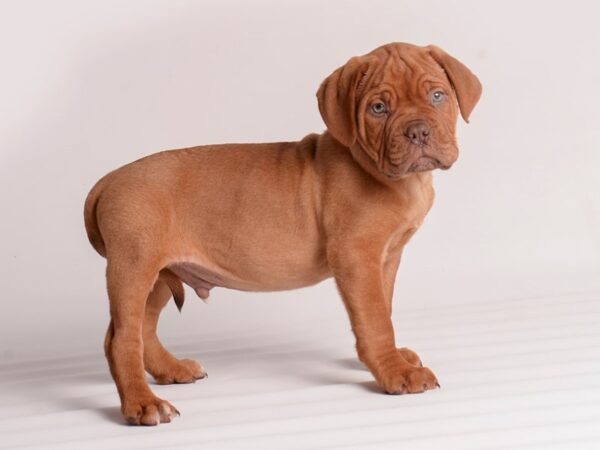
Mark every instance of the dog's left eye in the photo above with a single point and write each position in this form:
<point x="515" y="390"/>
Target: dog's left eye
<point x="379" y="108"/>
<point x="438" y="96"/>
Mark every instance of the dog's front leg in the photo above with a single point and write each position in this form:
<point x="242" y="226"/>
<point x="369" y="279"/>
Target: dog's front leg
<point x="359" y="276"/>
<point x="390" y="268"/>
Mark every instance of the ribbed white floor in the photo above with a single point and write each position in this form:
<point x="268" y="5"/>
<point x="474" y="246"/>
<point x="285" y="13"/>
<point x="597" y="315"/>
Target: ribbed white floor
<point x="514" y="374"/>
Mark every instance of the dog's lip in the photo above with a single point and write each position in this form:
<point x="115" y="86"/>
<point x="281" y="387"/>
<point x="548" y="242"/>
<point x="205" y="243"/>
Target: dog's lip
<point x="438" y="163"/>
<point x="425" y="162"/>
<point x="424" y="157"/>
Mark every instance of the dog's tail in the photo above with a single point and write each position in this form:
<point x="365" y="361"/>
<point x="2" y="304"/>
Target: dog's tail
<point x="90" y="217"/>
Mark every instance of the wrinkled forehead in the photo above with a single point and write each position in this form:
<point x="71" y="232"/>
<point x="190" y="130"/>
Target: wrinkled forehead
<point x="404" y="68"/>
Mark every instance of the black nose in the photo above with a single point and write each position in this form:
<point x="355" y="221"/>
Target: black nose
<point x="417" y="132"/>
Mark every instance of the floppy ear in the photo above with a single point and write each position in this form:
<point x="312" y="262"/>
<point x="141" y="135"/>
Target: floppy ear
<point x="337" y="99"/>
<point x="465" y="83"/>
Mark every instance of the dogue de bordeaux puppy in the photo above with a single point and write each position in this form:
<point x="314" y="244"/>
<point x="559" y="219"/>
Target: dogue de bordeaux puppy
<point x="276" y="216"/>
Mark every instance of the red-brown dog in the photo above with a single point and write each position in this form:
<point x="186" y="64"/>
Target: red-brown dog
<point x="264" y="217"/>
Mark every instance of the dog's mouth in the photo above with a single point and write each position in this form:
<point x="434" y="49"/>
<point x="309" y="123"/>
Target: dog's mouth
<point x="422" y="158"/>
<point x="404" y="157"/>
<point x="424" y="163"/>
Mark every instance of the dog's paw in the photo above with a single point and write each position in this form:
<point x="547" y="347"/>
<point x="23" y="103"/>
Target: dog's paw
<point x="180" y="371"/>
<point x="148" y="411"/>
<point x="410" y="356"/>
<point x="408" y="379"/>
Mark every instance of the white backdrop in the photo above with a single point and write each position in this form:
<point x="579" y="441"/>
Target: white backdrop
<point x="88" y="86"/>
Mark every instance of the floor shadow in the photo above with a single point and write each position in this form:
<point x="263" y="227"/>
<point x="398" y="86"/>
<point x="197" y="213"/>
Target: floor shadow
<point x="351" y="363"/>
<point x="370" y="386"/>
<point x="111" y="414"/>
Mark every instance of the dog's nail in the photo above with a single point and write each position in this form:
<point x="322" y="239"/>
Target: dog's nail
<point x="438" y="385"/>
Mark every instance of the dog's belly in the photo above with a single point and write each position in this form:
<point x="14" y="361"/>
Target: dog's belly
<point x="203" y="277"/>
<point x="199" y="278"/>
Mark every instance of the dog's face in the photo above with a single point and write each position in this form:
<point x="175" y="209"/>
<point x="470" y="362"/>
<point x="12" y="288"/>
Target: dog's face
<point x="399" y="105"/>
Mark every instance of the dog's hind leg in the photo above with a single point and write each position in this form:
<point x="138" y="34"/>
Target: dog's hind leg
<point x="129" y="281"/>
<point x="159" y="363"/>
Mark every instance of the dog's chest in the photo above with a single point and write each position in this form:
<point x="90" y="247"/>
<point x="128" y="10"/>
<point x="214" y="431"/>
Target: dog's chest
<point x="397" y="241"/>
<point x="416" y="202"/>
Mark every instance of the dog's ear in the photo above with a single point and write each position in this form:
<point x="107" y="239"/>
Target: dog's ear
<point x="337" y="99"/>
<point x="465" y="83"/>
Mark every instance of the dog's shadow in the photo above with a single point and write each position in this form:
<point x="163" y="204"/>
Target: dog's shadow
<point x="111" y="414"/>
<point x="350" y="363"/>
<point x="301" y="364"/>
<point x="50" y="383"/>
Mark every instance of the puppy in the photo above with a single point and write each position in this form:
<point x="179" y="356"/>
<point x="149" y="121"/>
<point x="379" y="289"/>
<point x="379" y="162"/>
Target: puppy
<point x="277" y="216"/>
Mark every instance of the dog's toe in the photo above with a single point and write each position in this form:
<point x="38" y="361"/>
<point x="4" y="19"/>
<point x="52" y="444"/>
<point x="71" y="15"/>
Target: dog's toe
<point x="149" y="411"/>
<point x="410" y="356"/>
<point x="180" y="371"/>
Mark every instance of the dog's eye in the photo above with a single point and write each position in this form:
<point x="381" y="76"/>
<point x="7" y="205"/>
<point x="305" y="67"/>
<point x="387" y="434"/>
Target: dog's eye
<point x="379" y="108"/>
<point x="438" y="96"/>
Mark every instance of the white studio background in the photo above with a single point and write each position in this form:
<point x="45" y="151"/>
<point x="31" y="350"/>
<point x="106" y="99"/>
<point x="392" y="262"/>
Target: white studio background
<point x="87" y="86"/>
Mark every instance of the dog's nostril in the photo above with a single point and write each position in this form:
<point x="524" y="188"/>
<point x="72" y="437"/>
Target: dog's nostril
<point x="417" y="131"/>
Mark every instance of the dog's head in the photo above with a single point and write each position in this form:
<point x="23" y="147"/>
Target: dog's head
<point x="398" y="105"/>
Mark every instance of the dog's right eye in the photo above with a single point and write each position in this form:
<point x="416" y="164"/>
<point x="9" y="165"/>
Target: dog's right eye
<point x="379" y="108"/>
